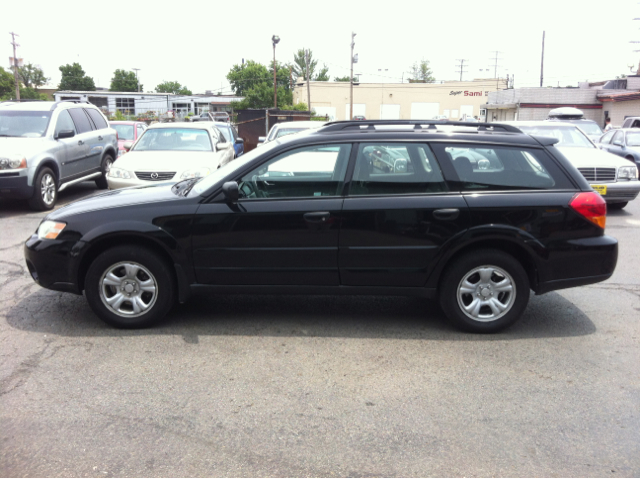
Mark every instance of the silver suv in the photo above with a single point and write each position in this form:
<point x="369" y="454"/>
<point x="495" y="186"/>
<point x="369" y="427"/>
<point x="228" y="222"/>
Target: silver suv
<point x="46" y="146"/>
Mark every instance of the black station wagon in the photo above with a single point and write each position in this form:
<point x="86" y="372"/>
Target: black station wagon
<point x="474" y="215"/>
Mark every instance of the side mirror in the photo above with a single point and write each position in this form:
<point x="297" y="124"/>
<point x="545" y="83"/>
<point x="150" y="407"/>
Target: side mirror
<point x="65" y="134"/>
<point x="231" y="191"/>
<point x="223" y="146"/>
<point x="239" y="141"/>
<point x="127" y="145"/>
<point x="400" y="166"/>
<point x="261" y="139"/>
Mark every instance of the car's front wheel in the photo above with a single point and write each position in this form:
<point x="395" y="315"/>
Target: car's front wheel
<point x="45" y="191"/>
<point x="484" y="291"/>
<point x="129" y="287"/>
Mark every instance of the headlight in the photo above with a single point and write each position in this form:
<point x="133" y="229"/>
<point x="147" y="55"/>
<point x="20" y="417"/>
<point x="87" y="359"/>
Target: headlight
<point x="119" y="173"/>
<point x="195" y="173"/>
<point x="50" y="229"/>
<point x="13" y="162"/>
<point x="628" y="172"/>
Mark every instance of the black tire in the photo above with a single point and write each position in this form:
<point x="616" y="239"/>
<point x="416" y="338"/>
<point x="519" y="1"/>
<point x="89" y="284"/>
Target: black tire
<point x="45" y="190"/>
<point x="101" y="181"/>
<point x="617" y="206"/>
<point x="137" y="269"/>
<point x="488" y="294"/>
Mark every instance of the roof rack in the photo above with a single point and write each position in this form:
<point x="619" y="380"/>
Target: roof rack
<point x="417" y="125"/>
<point x="55" y="105"/>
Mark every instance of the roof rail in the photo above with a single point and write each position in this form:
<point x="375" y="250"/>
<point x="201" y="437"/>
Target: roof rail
<point x="55" y="105"/>
<point x="417" y="125"/>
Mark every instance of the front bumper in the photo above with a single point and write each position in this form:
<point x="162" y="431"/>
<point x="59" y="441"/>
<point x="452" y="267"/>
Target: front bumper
<point x="53" y="263"/>
<point x="15" y="185"/>
<point x="621" y="191"/>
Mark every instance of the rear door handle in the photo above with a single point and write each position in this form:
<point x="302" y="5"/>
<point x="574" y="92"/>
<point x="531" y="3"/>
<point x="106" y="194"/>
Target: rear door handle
<point x="446" y="214"/>
<point x="317" y="217"/>
<point x="80" y="142"/>
<point x="99" y="138"/>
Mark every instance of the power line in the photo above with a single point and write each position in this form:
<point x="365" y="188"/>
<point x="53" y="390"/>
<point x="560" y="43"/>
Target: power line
<point x="461" y="66"/>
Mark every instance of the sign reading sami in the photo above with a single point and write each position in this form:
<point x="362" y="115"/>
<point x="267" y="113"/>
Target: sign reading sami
<point x="467" y="93"/>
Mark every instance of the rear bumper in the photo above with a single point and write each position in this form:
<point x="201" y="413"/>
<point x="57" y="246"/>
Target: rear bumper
<point x="591" y="260"/>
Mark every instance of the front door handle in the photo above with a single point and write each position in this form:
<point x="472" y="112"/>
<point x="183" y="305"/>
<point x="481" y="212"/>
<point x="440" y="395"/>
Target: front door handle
<point x="317" y="217"/>
<point x="448" y="214"/>
<point x="99" y="138"/>
<point x="80" y="142"/>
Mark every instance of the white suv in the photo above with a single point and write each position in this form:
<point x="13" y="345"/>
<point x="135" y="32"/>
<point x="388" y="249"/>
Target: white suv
<point x="46" y="146"/>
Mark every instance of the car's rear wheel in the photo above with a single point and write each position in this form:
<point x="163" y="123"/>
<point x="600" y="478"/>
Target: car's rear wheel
<point x="484" y="291"/>
<point x="617" y="206"/>
<point x="101" y="181"/>
<point x="45" y="191"/>
<point x="129" y="287"/>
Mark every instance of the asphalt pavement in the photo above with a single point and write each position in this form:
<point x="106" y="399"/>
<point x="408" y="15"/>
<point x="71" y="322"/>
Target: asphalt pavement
<point x="357" y="386"/>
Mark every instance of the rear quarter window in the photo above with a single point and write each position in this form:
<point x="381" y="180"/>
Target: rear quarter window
<point x="501" y="168"/>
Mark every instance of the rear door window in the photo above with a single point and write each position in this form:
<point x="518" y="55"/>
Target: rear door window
<point x="98" y="119"/>
<point x="80" y="119"/>
<point x="395" y="169"/>
<point x="498" y="168"/>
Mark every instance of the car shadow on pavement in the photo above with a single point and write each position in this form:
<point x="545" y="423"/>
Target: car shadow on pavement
<point x="390" y="317"/>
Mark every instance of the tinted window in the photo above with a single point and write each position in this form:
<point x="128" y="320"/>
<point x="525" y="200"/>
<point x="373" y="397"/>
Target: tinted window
<point x="64" y="122"/>
<point x="396" y="168"/>
<point x="97" y="118"/>
<point x="503" y="168"/>
<point x="303" y="172"/>
<point x="80" y="119"/>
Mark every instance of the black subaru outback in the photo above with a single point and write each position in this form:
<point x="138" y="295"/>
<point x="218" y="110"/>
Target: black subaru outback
<point x="473" y="215"/>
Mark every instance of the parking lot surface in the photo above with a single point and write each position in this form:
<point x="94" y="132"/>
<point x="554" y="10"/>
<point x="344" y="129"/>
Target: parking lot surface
<point x="318" y="386"/>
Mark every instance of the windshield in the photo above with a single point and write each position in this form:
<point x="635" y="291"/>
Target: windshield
<point x="227" y="170"/>
<point x="590" y="128"/>
<point x="174" y="139"/>
<point x="569" y="136"/>
<point x="633" y="138"/>
<point x="125" y="132"/>
<point x="26" y="124"/>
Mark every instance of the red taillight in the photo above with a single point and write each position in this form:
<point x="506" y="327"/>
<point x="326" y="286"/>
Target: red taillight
<point x="591" y="206"/>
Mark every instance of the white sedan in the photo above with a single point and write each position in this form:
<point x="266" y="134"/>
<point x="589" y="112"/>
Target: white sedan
<point x="171" y="152"/>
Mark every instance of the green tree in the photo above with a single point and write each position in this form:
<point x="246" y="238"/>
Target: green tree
<point x="74" y="78"/>
<point x="300" y="67"/>
<point x="7" y="85"/>
<point x="254" y="82"/>
<point x="27" y="93"/>
<point x="32" y="76"/>
<point x="344" y="78"/>
<point x="420" y="72"/>
<point x="172" y="87"/>
<point x="124" y="80"/>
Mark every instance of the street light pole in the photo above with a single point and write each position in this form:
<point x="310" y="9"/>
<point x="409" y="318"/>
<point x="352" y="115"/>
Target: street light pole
<point x="275" y="39"/>
<point x="353" y="35"/>
<point x="137" y="81"/>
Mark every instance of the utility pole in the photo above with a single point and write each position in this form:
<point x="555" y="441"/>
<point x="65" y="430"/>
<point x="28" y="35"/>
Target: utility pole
<point x="306" y="61"/>
<point x="461" y="66"/>
<point x="353" y="36"/>
<point x="15" y="64"/>
<point x="630" y="67"/>
<point x="495" y="69"/>
<point x="290" y="79"/>
<point x="137" y="81"/>
<point x="542" y="60"/>
<point x="275" y="39"/>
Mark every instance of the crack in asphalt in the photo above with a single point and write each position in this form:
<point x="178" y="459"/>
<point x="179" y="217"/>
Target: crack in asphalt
<point x="20" y="375"/>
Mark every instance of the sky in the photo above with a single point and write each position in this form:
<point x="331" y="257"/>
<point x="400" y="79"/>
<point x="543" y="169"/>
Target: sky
<point x="196" y="43"/>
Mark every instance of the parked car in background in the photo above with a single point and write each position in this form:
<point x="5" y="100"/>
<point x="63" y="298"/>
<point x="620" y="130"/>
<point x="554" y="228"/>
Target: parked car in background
<point x="576" y="117"/>
<point x="231" y="135"/>
<point x="170" y="152"/>
<point x="623" y="142"/>
<point x="359" y="117"/>
<point x="613" y="177"/>
<point x="288" y="128"/>
<point x="221" y="116"/>
<point x="631" y="122"/>
<point x="312" y="214"/>
<point x="46" y="146"/>
<point x="127" y="131"/>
